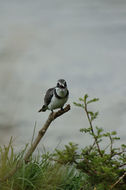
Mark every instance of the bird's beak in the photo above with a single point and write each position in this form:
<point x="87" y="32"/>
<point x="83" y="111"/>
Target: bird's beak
<point x="62" y="86"/>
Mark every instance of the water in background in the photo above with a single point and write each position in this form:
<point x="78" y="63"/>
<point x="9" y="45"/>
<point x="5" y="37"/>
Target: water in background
<point x="81" y="41"/>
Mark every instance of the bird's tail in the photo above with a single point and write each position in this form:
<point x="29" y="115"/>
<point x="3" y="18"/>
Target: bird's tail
<point x="44" y="108"/>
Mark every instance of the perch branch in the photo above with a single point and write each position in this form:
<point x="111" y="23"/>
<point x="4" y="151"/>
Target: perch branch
<point x="41" y="133"/>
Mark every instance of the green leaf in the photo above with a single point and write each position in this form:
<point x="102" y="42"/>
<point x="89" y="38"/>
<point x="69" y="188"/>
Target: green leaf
<point x="113" y="133"/>
<point x="93" y="115"/>
<point x="85" y="130"/>
<point x="93" y="100"/>
<point x="96" y="114"/>
<point x="81" y="99"/>
<point x="116" y="138"/>
<point x="107" y="134"/>
<point x="78" y="104"/>
<point x="99" y="130"/>
<point x="85" y="98"/>
<point x="123" y="146"/>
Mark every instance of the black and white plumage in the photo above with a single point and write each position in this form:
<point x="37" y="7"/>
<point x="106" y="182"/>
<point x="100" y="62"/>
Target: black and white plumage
<point x="56" y="97"/>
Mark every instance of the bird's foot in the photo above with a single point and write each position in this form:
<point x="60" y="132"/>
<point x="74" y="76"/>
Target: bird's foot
<point x="62" y="109"/>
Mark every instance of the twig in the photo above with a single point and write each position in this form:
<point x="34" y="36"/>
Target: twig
<point x="111" y="144"/>
<point x="95" y="138"/>
<point x="122" y="165"/>
<point x="91" y="147"/>
<point x="52" y="117"/>
<point x="112" y="186"/>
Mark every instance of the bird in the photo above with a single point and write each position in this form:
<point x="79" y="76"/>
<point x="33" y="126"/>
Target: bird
<point x="56" y="97"/>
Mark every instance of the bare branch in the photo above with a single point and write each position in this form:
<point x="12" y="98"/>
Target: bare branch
<point x="41" y="133"/>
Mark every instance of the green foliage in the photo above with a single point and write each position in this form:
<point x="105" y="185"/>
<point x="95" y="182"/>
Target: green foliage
<point x="41" y="173"/>
<point x="69" y="154"/>
<point x="8" y="159"/>
<point x="102" y="164"/>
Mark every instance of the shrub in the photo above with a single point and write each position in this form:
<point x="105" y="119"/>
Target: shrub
<point x="102" y="165"/>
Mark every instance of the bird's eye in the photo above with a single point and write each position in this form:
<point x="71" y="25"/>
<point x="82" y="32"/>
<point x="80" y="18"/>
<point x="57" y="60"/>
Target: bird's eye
<point x="58" y="84"/>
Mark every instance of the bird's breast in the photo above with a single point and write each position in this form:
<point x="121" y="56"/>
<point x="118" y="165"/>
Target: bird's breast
<point x="56" y="103"/>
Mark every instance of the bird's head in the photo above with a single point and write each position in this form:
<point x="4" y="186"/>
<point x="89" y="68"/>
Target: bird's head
<point x="61" y="83"/>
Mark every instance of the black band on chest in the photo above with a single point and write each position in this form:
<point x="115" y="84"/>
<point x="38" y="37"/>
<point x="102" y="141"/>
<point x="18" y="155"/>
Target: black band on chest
<point x="59" y="97"/>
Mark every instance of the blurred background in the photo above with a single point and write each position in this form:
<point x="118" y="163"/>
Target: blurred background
<point x="83" y="42"/>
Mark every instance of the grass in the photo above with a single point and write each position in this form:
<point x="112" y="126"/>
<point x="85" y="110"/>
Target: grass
<point x="39" y="174"/>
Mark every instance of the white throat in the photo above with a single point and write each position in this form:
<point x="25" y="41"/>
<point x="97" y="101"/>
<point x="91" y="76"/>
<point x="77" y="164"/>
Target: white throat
<point x="61" y="92"/>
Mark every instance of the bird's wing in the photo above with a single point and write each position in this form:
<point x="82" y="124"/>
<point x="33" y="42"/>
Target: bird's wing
<point x="48" y="96"/>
